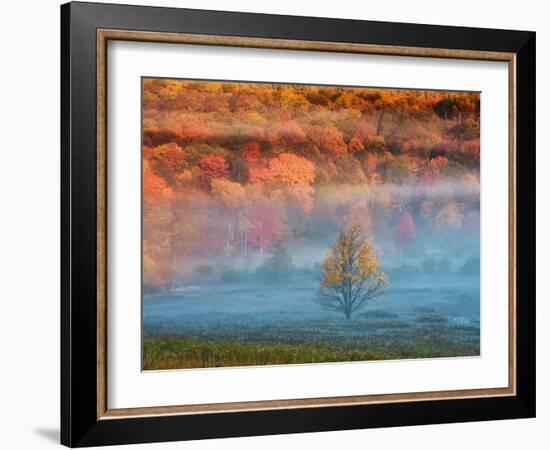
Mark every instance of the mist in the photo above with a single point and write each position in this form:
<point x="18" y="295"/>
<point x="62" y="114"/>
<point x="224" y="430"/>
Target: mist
<point x="432" y="294"/>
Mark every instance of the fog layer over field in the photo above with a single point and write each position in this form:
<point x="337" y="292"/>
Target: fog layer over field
<point x="415" y="309"/>
<point x="431" y="307"/>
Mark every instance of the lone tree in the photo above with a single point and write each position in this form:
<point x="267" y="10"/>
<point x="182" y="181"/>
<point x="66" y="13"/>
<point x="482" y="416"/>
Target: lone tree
<point x="351" y="275"/>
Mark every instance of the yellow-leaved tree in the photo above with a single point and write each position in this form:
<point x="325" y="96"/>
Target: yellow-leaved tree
<point x="351" y="275"/>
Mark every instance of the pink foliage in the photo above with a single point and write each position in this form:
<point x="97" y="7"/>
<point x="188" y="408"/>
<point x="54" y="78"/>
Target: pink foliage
<point x="258" y="174"/>
<point x="405" y="230"/>
<point x="424" y="183"/>
<point x="265" y="225"/>
<point x="372" y="163"/>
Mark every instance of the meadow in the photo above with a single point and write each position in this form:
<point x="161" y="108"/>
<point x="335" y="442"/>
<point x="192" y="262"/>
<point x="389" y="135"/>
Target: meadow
<point x="229" y="324"/>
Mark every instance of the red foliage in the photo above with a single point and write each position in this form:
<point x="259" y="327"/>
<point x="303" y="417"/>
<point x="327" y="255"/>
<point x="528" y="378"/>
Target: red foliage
<point x="212" y="166"/>
<point x="251" y="151"/>
<point x="405" y="230"/>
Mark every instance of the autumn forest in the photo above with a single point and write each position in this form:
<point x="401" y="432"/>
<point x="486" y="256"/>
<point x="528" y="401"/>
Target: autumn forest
<point x="302" y="223"/>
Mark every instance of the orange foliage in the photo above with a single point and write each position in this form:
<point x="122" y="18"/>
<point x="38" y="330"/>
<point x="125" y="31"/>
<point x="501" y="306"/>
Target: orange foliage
<point x="188" y="132"/>
<point x="292" y="170"/>
<point x="355" y="145"/>
<point x="167" y="160"/>
<point x="229" y="167"/>
<point x="329" y="139"/>
<point x="230" y="193"/>
<point x="438" y="162"/>
<point x="153" y="185"/>
<point x="259" y="174"/>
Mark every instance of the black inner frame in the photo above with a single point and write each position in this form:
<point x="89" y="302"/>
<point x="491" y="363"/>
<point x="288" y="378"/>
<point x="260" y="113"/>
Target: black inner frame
<point x="79" y="423"/>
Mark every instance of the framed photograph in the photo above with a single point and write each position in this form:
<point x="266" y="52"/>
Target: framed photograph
<point x="276" y="224"/>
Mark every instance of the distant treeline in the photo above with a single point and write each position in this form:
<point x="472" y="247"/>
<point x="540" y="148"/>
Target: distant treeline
<point x="235" y="168"/>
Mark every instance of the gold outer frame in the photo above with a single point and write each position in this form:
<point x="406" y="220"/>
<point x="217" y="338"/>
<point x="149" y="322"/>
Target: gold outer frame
<point x="103" y="36"/>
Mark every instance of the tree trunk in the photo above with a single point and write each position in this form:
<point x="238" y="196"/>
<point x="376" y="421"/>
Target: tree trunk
<point x="379" y="123"/>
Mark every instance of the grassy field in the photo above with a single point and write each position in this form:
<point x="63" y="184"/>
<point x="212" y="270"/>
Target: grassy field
<point x="228" y="324"/>
<point x="180" y="353"/>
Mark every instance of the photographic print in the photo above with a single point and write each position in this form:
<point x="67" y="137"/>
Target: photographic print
<point x="296" y="224"/>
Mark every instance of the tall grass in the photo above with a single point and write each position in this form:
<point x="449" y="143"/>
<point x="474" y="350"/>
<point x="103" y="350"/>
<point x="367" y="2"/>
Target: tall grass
<point x="179" y="353"/>
<point x="184" y="353"/>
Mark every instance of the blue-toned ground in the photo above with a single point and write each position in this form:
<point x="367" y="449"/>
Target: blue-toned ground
<point x="421" y="315"/>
